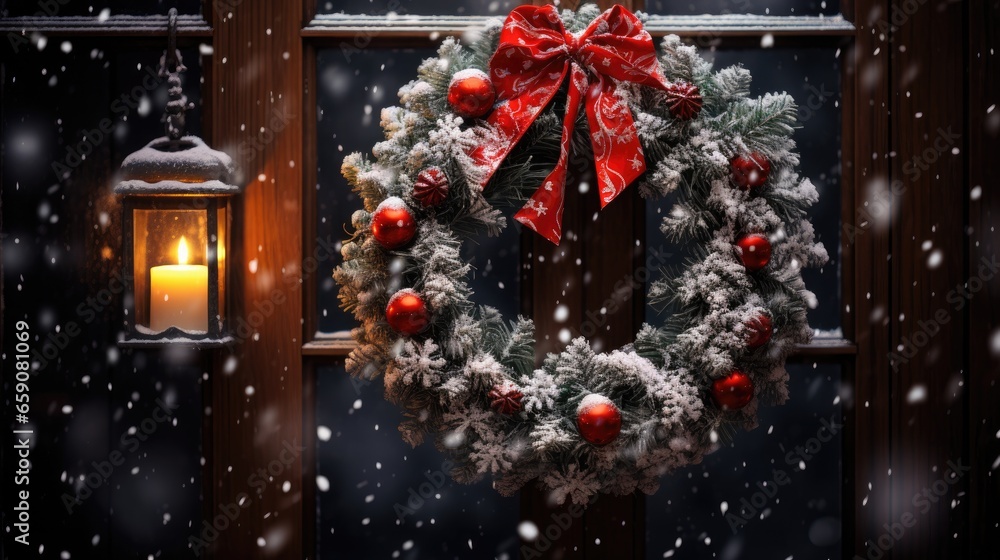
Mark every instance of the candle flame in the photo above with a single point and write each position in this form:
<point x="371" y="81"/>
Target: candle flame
<point x="182" y="251"/>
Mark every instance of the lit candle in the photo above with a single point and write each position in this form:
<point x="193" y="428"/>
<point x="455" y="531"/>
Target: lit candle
<point x="179" y="294"/>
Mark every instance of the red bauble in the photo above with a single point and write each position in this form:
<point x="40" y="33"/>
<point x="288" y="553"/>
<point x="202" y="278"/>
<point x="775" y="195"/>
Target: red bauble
<point x="755" y="251"/>
<point x="506" y="398"/>
<point x="392" y="223"/>
<point x="431" y="187"/>
<point x="749" y="171"/>
<point x="407" y="313"/>
<point x="759" y="331"/>
<point x="598" y="419"/>
<point x="471" y="93"/>
<point x="683" y="100"/>
<point x="732" y="392"/>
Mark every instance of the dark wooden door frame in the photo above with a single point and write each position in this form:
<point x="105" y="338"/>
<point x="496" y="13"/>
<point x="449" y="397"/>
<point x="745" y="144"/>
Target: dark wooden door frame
<point x="866" y="132"/>
<point x="981" y="146"/>
<point x="917" y="141"/>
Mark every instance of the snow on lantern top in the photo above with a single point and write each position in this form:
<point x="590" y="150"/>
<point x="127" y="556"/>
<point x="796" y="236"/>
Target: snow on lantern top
<point x="176" y="164"/>
<point x="186" y="166"/>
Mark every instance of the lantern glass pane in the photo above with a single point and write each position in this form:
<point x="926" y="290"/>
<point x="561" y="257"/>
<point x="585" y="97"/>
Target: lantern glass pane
<point x="171" y="269"/>
<point x="223" y="248"/>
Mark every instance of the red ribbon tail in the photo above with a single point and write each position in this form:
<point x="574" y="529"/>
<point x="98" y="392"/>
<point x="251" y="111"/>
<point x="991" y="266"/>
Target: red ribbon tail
<point x="618" y="157"/>
<point x="544" y="210"/>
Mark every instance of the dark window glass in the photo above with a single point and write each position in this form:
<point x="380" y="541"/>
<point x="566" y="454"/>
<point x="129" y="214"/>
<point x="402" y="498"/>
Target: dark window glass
<point x="812" y="77"/>
<point x="352" y="92"/>
<point x="72" y="112"/>
<point x="96" y="8"/>
<point x="419" y="7"/>
<point x="495" y="261"/>
<point x="699" y="513"/>
<point x="757" y="7"/>
<point x="379" y="498"/>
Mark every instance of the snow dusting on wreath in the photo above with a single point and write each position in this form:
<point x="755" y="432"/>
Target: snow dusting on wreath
<point x="491" y="125"/>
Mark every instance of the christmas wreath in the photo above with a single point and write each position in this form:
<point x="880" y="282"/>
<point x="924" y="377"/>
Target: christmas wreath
<point x="491" y="125"/>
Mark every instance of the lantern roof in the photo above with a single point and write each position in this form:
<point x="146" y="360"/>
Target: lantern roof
<point x="182" y="166"/>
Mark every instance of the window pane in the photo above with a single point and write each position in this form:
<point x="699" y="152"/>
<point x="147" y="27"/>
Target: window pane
<point x="757" y="7"/>
<point x="385" y="499"/>
<point x="96" y="7"/>
<point x="419" y="7"/>
<point x="794" y="456"/>
<point x="812" y="77"/>
<point x="353" y="91"/>
<point x="495" y="262"/>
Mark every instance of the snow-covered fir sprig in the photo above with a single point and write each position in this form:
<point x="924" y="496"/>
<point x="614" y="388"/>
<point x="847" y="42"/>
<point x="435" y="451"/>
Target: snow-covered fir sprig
<point x="449" y="379"/>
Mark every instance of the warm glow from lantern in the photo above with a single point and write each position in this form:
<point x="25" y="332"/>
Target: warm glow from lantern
<point x="182" y="251"/>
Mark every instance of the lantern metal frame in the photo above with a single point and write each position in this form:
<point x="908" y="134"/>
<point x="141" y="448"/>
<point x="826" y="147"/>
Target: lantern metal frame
<point x="177" y="173"/>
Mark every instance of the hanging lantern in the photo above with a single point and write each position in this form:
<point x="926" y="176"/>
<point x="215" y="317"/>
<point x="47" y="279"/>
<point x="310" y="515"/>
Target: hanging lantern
<point x="176" y="196"/>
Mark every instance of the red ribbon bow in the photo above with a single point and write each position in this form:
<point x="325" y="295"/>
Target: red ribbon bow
<point x="534" y="55"/>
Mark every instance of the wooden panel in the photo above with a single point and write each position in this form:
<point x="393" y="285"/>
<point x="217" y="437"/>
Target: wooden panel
<point x="554" y="278"/>
<point x="338" y="347"/>
<point x="615" y="525"/>
<point x="420" y="27"/>
<point x="866" y="112"/>
<point x="257" y="118"/>
<point x="310" y="170"/>
<point x="849" y="311"/>
<point x="982" y="147"/>
<point x="821" y="349"/>
<point x="113" y="26"/>
<point x="927" y="130"/>
<point x="602" y="4"/>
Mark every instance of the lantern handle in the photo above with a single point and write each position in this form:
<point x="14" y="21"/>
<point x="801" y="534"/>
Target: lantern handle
<point x="171" y="65"/>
